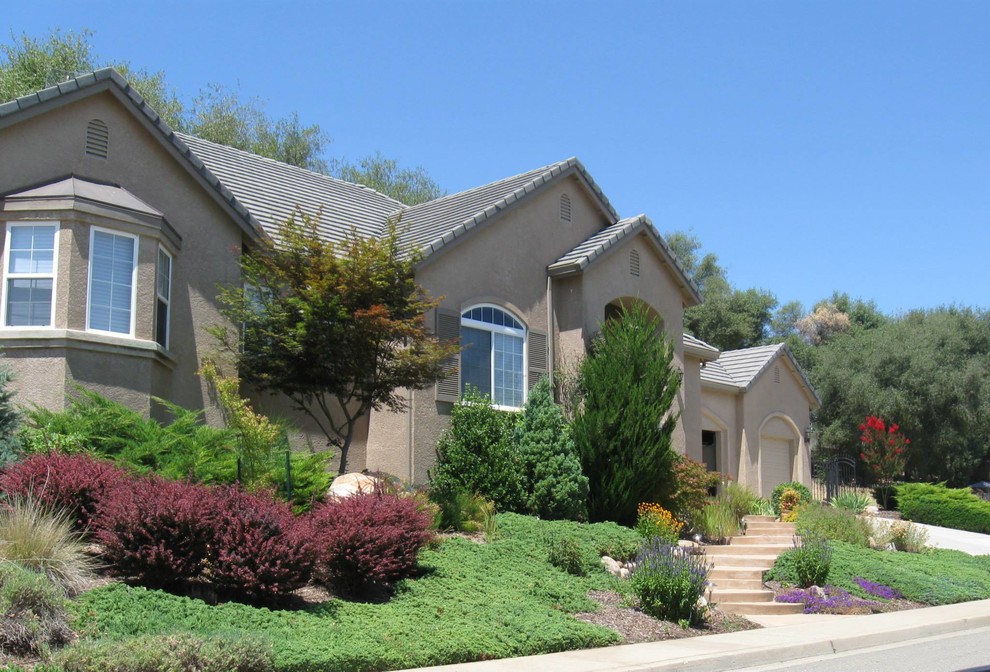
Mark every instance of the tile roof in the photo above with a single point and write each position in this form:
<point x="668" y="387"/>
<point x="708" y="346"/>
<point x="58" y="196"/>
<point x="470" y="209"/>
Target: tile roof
<point x="272" y="191"/>
<point x="599" y="242"/>
<point x="707" y="351"/>
<point x="740" y="368"/>
<point x="431" y="225"/>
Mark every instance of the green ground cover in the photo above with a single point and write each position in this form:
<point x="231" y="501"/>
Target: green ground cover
<point x="936" y="576"/>
<point x="474" y="601"/>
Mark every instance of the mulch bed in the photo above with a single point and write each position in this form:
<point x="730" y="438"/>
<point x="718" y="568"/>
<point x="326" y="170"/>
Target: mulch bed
<point x="634" y="626"/>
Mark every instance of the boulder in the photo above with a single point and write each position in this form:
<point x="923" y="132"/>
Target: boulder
<point x="346" y="485"/>
<point x="611" y="566"/>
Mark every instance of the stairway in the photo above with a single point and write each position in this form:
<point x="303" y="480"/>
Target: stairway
<point x="737" y="572"/>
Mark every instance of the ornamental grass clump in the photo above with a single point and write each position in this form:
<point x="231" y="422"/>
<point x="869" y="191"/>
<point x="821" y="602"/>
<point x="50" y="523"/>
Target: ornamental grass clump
<point x="654" y="521"/>
<point x="45" y="542"/>
<point x="669" y="581"/>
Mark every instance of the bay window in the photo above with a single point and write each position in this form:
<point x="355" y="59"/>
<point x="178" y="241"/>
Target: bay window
<point x="112" y="271"/>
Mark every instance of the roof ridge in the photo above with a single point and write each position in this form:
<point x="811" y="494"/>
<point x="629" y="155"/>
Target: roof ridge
<point x="537" y="173"/>
<point x="290" y="166"/>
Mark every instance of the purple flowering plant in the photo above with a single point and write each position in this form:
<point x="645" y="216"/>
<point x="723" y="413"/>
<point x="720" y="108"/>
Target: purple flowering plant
<point x="834" y="600"/>
<point x="878" y="589"/>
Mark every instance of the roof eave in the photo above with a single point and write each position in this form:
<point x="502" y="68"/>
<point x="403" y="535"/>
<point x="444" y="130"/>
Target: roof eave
<point x="724" y="387"/>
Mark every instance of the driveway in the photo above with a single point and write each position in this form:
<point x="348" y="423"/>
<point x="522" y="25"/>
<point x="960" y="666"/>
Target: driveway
<point x="944" y="537"/>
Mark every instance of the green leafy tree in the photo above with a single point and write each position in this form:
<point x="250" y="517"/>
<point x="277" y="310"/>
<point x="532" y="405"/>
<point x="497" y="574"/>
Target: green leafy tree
<point x="728" y="318"/>
<point x="476" y="456"/>
<point x="553" y="483"/>
<point x="217" y="114"/>
<point x="624" y="427"/>
<point x="336" y="327"/>
<point x="406" y="185"/>
<point x="929" y="369"/>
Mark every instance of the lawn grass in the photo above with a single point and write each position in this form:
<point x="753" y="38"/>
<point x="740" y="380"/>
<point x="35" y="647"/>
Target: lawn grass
<point x="937" y="576"/>
<point x="474" y="601"/>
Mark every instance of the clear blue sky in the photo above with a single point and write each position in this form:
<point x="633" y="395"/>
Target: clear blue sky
<point x="813" y="146"/>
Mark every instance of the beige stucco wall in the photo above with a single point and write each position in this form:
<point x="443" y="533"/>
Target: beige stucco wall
<point x="504" y="263"/>
<point x="50" y="146"/>
<point x="767" y="408"/>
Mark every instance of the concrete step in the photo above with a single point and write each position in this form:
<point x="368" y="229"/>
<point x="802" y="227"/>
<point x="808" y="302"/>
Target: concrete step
<point x="760" y="519"/>
<point x="747" y="549"/>
<point x="720" y="583"/>
<point x="757" y="539"/>
<point x="777" y="528"/>
<point x="762" y="562"/>
<point x="721" y="571"/>
<point x="735" y="596"/>
<point x="761" y="608"/>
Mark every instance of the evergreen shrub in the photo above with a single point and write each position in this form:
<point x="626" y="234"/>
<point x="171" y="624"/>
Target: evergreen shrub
<point x="553" y="485"/>
<point x="624" y="428"/>
<point x="946" y="507"/>
<point x="476" y="455"/>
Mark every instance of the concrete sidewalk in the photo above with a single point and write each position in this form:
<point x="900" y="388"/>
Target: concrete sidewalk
<point x="753" y="647"/>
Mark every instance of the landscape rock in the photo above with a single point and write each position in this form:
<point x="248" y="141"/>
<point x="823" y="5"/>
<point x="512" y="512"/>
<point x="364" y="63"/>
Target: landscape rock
<point x="353" y="483"/>
<point x="611" y="566"/>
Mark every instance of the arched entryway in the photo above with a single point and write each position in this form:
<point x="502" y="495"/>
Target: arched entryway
<point x="780" y="445"/>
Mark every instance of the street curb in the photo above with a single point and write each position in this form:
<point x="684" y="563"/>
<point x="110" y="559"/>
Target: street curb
<point x="752" y="647"/>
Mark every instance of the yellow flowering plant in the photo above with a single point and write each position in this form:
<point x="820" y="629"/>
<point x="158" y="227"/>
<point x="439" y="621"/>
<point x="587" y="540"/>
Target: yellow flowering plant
<point x="652" y="520"/>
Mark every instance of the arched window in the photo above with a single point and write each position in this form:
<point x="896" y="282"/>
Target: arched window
<point x="492" y="355"/>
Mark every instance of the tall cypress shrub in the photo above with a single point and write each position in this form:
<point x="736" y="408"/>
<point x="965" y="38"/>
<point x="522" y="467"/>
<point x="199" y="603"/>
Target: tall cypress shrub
<point x="624" y="428"/>
<point x="554" y="486"/>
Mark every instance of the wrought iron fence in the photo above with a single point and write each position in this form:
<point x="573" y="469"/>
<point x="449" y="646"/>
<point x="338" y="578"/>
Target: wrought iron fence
<point x="833" y="476"/>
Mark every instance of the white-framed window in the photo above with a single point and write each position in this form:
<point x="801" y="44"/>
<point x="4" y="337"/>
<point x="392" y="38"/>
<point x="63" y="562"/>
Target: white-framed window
<point x="112" y="281"/>
<point x="163" y="294"/>
<point x="29" y="274"/>
<point x="493" y="354"/>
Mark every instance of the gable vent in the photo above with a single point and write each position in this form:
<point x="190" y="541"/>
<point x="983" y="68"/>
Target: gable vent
<point x="634" y="263"/>
<point x="776" y="374"/>
<point x="97" y="139"/>
<point x="565" y="208"/>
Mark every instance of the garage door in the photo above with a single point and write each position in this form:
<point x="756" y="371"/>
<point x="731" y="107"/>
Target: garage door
<point x="776" y="463"/>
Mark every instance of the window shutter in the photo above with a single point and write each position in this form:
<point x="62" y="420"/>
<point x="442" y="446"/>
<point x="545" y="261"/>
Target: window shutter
<point x="449" y="330"/>
<point x="539" y="356"/>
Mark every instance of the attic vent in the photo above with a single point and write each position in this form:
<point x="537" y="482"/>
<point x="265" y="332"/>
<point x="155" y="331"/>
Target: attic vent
<point x="97" y="139"/>
<point x="776" y="374"/>
<point x="565" y="208"/>
<point x="634" y="263"/>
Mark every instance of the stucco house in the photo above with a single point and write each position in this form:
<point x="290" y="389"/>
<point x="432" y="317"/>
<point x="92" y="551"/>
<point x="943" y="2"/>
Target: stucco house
<point x="117" y="232"/>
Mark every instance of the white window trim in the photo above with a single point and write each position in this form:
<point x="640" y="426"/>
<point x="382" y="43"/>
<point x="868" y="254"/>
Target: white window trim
<point x="167" y="300"/>
<point x="134" y="267"/>
<point x="508" y="331"/>
<point x="29" y="276"/>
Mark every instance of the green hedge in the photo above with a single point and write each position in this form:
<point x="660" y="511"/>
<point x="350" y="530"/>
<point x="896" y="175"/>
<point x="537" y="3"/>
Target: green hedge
<point x="946" y="507"/>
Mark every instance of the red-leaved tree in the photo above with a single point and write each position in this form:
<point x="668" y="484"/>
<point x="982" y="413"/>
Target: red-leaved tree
<point x="884" y="452"/>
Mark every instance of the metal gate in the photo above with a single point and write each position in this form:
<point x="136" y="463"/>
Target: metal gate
<point x="833" y="476"/>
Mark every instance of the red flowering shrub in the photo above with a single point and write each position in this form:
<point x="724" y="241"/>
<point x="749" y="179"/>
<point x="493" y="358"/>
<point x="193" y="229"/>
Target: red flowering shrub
<point x="368" y="539"/>
<point x="76" y="484"/>
<point x="157" y="530"/>
<point x="258" y="546"/>
<point x="884" y="451"/>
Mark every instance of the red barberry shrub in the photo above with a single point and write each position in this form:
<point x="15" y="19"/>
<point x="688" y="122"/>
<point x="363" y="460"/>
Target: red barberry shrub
<point x="156" y="530"/>
<point x="258" y="547"/>
<point x="76" y="484"/>
<point x="368" y="539"/>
